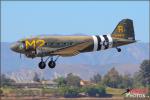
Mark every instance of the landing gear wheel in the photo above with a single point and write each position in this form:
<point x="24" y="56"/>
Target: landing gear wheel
<point x="51" y="64"/>
<point x="42" y="65"/>
<point x="118" y="49"/>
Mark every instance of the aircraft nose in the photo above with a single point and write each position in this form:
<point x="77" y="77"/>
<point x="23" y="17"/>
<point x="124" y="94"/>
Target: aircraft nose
<point x="14" y="47"/>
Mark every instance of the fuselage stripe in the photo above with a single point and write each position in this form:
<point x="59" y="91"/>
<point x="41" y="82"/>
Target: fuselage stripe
<point x="95" y="43"/>
<point x="106" y="42"/>
<point x="110" y="40"/>
<point x="99" y="43"/>
<point x="102" y="42"/>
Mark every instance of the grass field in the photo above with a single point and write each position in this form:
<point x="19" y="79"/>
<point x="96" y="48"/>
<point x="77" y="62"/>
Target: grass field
<point x="115" y="92"/>
<point x="7" y="91"/>
<point x="10" y="95"/>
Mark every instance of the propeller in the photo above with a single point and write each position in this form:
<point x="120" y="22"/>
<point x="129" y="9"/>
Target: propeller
<point x="20" y="55"/>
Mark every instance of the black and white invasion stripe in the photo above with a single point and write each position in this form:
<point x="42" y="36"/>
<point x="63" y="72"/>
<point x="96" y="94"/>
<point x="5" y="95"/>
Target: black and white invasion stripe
<point x="102" y="42"/>
<point x="106" y="42"/>
<point x="99" y="42"/>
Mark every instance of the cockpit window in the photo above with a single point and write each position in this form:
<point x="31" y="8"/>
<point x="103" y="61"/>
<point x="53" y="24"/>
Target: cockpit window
<point x="21" y="40"/>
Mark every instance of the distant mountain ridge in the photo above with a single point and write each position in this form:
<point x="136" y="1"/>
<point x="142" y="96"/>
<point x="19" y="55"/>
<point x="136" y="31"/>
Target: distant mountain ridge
<point x="84" y="65"/>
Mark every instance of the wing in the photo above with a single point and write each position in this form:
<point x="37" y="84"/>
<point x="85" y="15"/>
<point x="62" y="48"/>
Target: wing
<point x="69" y="50"/>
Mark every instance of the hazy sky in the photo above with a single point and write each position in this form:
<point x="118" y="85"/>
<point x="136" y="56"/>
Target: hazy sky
<point x="30" y="18"/>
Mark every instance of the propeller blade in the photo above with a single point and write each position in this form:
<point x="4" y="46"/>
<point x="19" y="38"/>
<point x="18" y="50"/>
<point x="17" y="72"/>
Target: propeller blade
<point x="20" y="55"/>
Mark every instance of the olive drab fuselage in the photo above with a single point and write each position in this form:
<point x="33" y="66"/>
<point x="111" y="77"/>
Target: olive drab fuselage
<point x="42" y="46"/>
<point x="72" y="45"/>
<point x="31" y="46"/>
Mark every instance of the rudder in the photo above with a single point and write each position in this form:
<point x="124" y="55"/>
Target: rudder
<point x="124" y="29"/>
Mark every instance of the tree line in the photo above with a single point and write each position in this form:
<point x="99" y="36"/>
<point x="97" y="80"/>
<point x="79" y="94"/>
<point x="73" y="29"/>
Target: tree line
<point x="70" y="86"/>
<point x="114" y="79"/>
<point x="111" y="79"/>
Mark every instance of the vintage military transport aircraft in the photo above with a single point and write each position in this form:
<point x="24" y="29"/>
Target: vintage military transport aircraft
<point x="42" y="46"/>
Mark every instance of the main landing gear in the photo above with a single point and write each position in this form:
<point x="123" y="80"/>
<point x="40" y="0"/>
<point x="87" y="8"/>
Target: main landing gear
<point x="42" y="64"/>
<point x="118" y="49"/>
<point x="51" y="63"/>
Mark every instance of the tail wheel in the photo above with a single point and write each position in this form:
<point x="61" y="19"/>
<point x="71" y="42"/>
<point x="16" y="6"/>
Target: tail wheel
<point x="51" y="64"/>
<point x="42" y="65"/>
<point x="119" y="49"/>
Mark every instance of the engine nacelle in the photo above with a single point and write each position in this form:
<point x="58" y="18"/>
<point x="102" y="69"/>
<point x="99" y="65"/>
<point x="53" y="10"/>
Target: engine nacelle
<point x="31" y="54"/>
<point x="36" y="53"/>
<point x="41" y="52"/>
